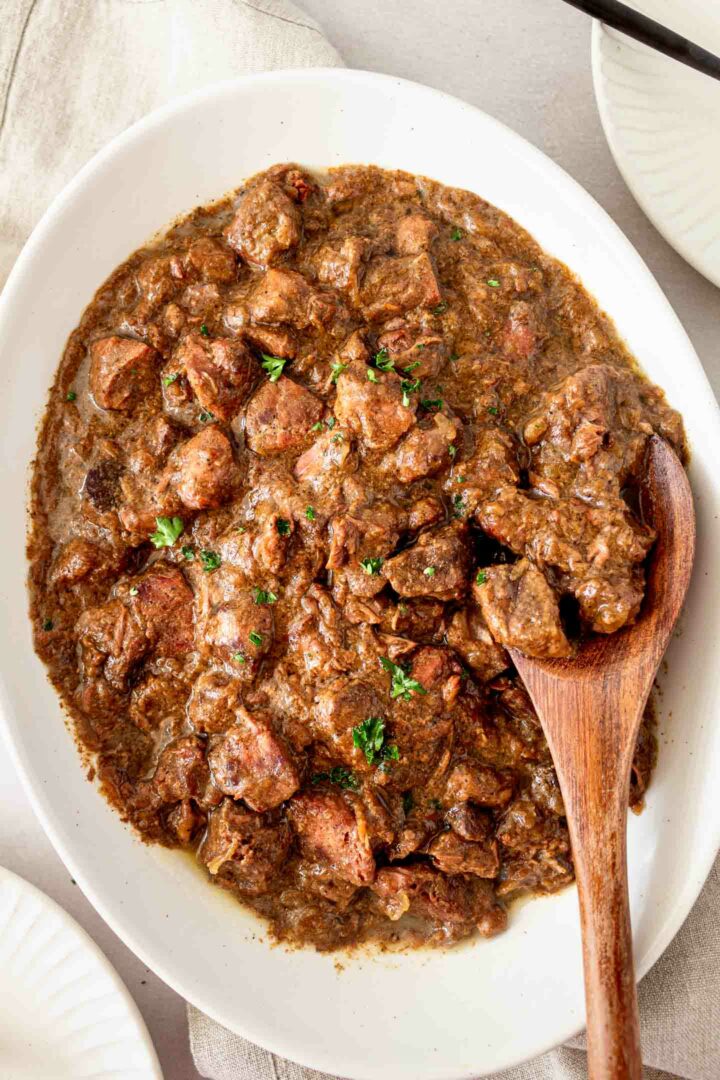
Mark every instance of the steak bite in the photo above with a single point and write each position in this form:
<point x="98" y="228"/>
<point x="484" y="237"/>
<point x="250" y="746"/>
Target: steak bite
<point x="221" y="372"/>
<point x="202" y="470"/>
<point x="122" y="372"/>
<point x="162" y="602"/>
<point x="279" y="417"/>
<point x="243" y="850"/>
<point x="596" y="552"/>
<point x="329" y="828"/>
<point x="521" y="610"/>
<point x="454" y="855"/>
<point x="110" y="643"/>
<point x="392" y="286"/>
<point x="377" y="412"/>
<point x="426" y="450"/>
<point x="438" y="565"/>
<point x="266" y="224"/>
<point x="285" y="297"/>
<point x="251" y="762"/>
<point x="457" y="904"/>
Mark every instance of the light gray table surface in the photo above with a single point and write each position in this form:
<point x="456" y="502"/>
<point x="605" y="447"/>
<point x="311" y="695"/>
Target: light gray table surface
<point x="526" y="62"/>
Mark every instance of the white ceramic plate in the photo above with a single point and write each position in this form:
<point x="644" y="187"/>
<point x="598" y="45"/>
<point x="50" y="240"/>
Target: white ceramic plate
<point x="427" y="1015"/>
<point x="64" y="1013"/>
<point x="662" y="121"/>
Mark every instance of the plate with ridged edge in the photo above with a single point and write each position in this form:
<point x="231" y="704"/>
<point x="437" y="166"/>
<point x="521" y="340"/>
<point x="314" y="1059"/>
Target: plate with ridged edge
<point x="662" y="123"/>
<point x="64" y="1012"/>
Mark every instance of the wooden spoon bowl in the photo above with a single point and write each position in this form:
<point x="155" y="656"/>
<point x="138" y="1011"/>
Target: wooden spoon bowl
<point x="590" y="708"/>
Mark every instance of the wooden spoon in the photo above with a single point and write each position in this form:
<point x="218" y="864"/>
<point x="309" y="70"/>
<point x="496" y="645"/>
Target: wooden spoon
<point x="590" y="708"/>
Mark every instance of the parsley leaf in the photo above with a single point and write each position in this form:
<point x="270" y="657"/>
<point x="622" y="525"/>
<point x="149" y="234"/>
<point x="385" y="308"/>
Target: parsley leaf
<point x="206" y="416"/>
<point x="481" y="577"/>
<point x="318" y="426"/>
<point x="493" y="283"/>
<point x="452" y="450"/>
<point x="411" y="367"/>
<point x="340" y="775"/>
<point x="168" y="530"/>
<point x="134" y="590"/>
<point x="408" y="386"/>
<point x="210" y="560"/>
<point x="383" y="360"/>
<point x="430" y="404"/>
<point x="188" y="552"/>
<point x="429" y="571"/>
<point x="336" y="371"/>
<point x="310" y="513"/>
<point x="440" y="308"/>
<point x="273" y="365"/>
<point x="369" y="736"/>
<point x="71" y="395"/>
<point x="168" y="379"/>
<point x="238" y="657"/>
<point x="456" y="234"/>
<point x="282" y="526"/>
<point x="48" y="624"/>
<point x="458" y="505"/>
<point x="492" y="409"/>
<point x="331" y="422"/>
<point x="372" y="375"/>
<point x="402" y="685"/>
<point x="261" y="596"/>
<point x="371" y="566"/>
<point x="204" y="330"/>
<point x="255" y="638"/>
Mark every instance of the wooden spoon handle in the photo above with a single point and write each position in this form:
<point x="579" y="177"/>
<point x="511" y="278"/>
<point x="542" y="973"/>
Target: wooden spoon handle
<point x="597" y="817"/>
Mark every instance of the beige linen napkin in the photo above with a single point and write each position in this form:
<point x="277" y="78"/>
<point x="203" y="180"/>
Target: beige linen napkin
<point x="73" y="73"/>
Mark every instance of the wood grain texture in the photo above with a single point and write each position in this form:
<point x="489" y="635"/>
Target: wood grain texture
<point x="590" y="708"/>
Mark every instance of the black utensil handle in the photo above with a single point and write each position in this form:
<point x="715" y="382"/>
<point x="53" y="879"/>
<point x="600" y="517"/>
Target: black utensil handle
<point x="646" y="30"/>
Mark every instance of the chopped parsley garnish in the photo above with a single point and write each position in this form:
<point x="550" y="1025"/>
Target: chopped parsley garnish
<point x="454" y="356"/>
<point x="255" y="638"/>
<point x="411" y="367"/>
<point x="401" y="685"/>
<point x="134" y="590"/>
<point x="206" y="416"/>
<point x="481" y="577"/>
<point x="168" y="379"/>
<point x="210" y="560"/>
<point x="318" y="426"/>
<point x="273" y="365"/>
<point x="340" y="775"/>
<point x="71" y="395"/>
<point x="338" y="437"/>
<point x="408" y="802"/>
<point x="310" y="513"/>
<point x="383" y="360"/>
<point x="420" y="345"/>
<point x="457" y="234"/>
<point x="263" y="596"/>
<point x="48" y="624"/>
<point x="372" y="375"/>
<point x="369" y="736"/>
<point x="371" y="566"/>
<point x="460" y="479"/>
<point x="452" y="450"/>
<point x="336" y="371"/>
<point x="440" y="308"/>
<point x="435" y="804"/>
<point x="493" y="283"/>
<point x="331" y="422"/>
<point x="408" y="387"/>
<point x="429" y="571"/>
<point x="167" y="532"/>
<point x="238" y="657"/>
<point x="282" y="526"/>
<point x="204" y="330"/>
<point x="458" y="505"/>
<point x="240" y="528"/>
<point x="430" y="404"/>
<point x="188" y="552"/>
<point x="493" y="410"/>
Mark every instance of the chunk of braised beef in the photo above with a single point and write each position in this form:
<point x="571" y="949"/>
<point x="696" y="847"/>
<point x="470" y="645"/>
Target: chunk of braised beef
<point x="279" y="417"/>
<point x="213" y="702"/>
<point x="267" y="223"/>
<point x="220" y="371"/>
<point x="285" y="297"/>
<point x="211" y="260"/>
<point x="468" y="634"/>
<point x="162" y="602"/>
<point x="414" y="234"/>
<point x="481" y="784"/>
<point x="327" y="827"/>
<point x="377" y="412"/>
<point x="79" y="559"/>
<point x="455" y="855"/>
<point x="240" y="631"/>
<point x="392" y="286"/>
<point x="426" y="450"/>
<point x="111" y="642"/>
<point x="437" y="565"/>
<point x="457" y="904"/>
<point x="181" y="771"/>
<point x="250" y="761"/>
<point x="102" y="484"/>
<point x="244" y="850"/>
<point x="521" y="609"/>
<point x="123" y="371"/>
<point x="203" y="471"/>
